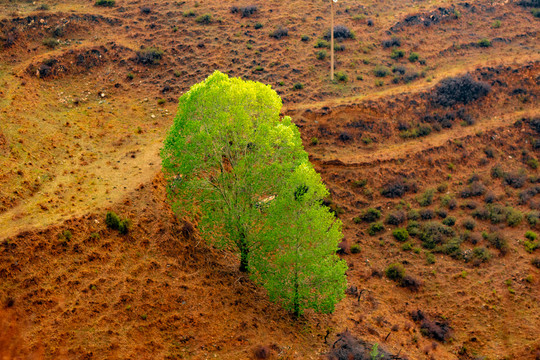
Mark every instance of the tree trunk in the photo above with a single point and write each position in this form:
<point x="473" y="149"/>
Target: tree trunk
<point x="244" y="252"/>
<point x="296" y="298"/>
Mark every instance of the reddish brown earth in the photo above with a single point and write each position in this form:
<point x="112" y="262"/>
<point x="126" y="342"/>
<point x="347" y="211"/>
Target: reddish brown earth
<point x="81" y="124"/>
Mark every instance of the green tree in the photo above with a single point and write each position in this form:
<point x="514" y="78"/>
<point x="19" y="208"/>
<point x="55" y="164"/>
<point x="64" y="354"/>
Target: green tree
<point x="227" y="152"/>
<point x="239" y="169"/>
<point x="297" y="262"/>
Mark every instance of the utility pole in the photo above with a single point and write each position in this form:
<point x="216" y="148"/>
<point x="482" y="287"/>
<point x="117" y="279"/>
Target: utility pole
<point x="332" y="39"/>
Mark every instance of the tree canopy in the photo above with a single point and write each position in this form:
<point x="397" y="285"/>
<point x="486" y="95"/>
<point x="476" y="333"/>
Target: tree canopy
<point x="241" y="170"/>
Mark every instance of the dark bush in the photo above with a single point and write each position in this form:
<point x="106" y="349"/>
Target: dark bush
<point x="123" y="227"/>
<point x="471" y="205"/>
<point x="536" y="262"/>
<point x="434" y="233"/>
<point x="375" y="228"/>
<point x="245" y="11"/>
<point x="262" y="352"/>
<point x="515" y="179"/>
<point x="279" y="33"/>
<point x="442" y="213"/>
<point x="533" y="218"/>
<point x="452" y="248"/>
<point x="427" y="214"/>
<point x="397" y="188"/>
<point x="345" y="136"/>
<point x="480" y="255"/>
<point x="395" y="272"/>
<point x="459" y="90"/>
<point x="513" y="217"/>
<point x="370" y="215"/>
<point x="394" y="41"/>
<point x="410" y="283"/>
<point x="146" y="10"/>
<point x="112" y="220"/>
<point x="149" y="56"/>
<point x="370" y="22"/>
<point x="449" y="221"/>
<point x="396" y="218"/>
<point x="497" y="172"/>
<point x="438" y="330"/>
<point x="381" y="71"/>
<point x="347" y="347"/>
<point x="469" y="224"/>
<point x="497" y="240"/>
<point x="109" y="3"/>
<point x="476" y="188"/>
<point x="490" y="198"/>
<point x="480" y="214"/>
<point x="340" y="32"/>
<point x="413" y="215"/>
<point x="413" y="228"/>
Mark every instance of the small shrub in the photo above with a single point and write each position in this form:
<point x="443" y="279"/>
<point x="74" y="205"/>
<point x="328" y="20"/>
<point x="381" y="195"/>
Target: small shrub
<point x="413" y="214"/>
<point x="469" y="224"/>
<point x="314" y="141"/>
<point x="480" y="255"/>
<point x="410" y="283"/>
<point x="375" y="228"/>
<point x="430" y="258"/>
<point x="401" y="234"/>
<point x="515" y="179"/>
<point x="108" y="3"/>
<point x="149" y="56"/>
<point x="513" y="217"/>
<point x="434" y="234"/>
<point x="341" y="76"/>
<point x="476" y="188"/>
<point x="130" y="76"/>
<point x="340" y="32"/>
<point x="397" y="188"/>
<point x="536" y="262"/>
<point x="533" y="163"/>
<point x="146" y="10"/>
<point x="397" y="54"/>
<point x="395" y="272"/>
<point x="279" y="33"/>
<point x="355" y="249"/>
<point x="533" y="218"/>
<point x="459" y="90"/>
<point x="484" y="43"/>
<point x="392" y="42"/>
<point x="51" y="42"/>
<point x="427" y="214"/>
<point x="161" y="101"/>
<point x="360" y="183"/>
<point x="413" y="228"/>
<point x="189" y="13"/>
<point x="258" y="26"/>
<point x="112" y="220"/>
<point x="322" y="44"/>
<point x="531" y="235"/>
<point x="449" y="221"/>
<point x="531" y="246"/>
<point x="413" y="57"/>
<point x="407" y="246"/>
<point x="370" y="215"/>
<point x="381" y="71"/>
<point x="396" y="218"/>
<point x="441" y="213"/>
<point x="497" y="241"/>
<point x="426" y="198"/>
<point x="204" y="19"/>
<point x="298" y="86"/>
<point x="449" y="202"/>
<point x="496" y="24"/>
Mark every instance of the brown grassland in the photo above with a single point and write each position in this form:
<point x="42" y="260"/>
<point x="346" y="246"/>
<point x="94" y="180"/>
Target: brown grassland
<point x="88" y="92"/>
